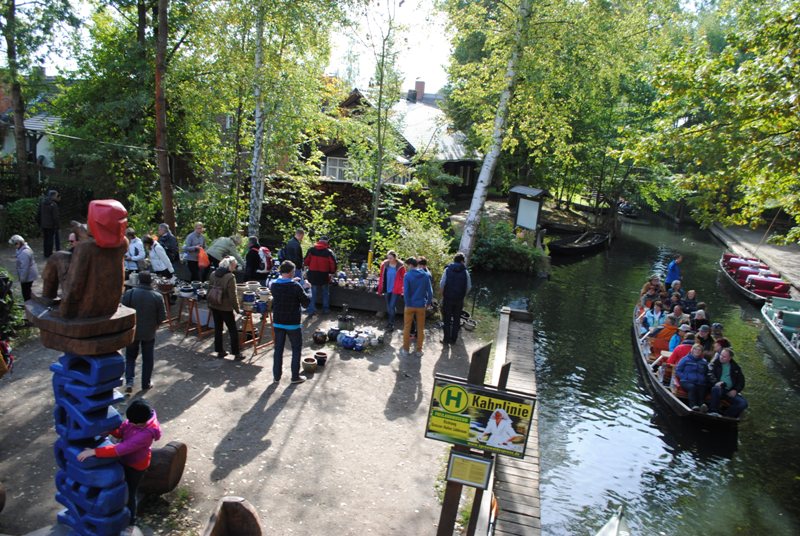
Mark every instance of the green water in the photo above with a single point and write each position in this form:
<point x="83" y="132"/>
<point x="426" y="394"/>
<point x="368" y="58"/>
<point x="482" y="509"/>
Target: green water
<point x="605" y="442"/>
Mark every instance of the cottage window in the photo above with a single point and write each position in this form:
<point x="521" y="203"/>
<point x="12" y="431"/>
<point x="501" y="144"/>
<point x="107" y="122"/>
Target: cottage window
<point x="336" y="168"/>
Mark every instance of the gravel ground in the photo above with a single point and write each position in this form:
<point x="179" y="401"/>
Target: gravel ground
<point x="343" y="453"/>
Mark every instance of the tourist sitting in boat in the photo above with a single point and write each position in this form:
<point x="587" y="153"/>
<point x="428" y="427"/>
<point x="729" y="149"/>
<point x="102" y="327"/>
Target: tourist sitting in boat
<point x="727" y="382"/>
<point x="674" y="300"/>
<point x="650" y="296"/>
<point x="653" y="320"/>
<point x="655" y="281"/>
<point x="716" y="331"/>
<point x="699" y="319"/>
<point x="689" y="303"/>
<point x="680" y="351"/>
<point x="691" y="373"/>
<point x="719" y="345"/>
<point x="677" y="287"/>
<point x="679" y="336"/>
<point x="677" y="317"/>
<point x="705" y="339"/>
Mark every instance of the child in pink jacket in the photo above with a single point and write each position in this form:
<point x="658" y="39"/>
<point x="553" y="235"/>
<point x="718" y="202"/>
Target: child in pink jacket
<point x="136" y="436"/>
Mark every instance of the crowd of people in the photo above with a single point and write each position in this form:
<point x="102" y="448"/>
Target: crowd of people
<point x="699" y="359"/>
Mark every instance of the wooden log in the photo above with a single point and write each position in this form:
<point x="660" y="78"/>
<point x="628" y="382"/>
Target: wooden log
<point x="102" y="344"/>
<point x="166" y="469"/>
<point x="123" y="319"/>
<point x="234" y="517"/>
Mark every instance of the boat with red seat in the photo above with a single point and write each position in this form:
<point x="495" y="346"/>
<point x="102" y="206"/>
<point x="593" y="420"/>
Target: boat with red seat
<point x="753" y="278"/>
<point x="672" y="397"/>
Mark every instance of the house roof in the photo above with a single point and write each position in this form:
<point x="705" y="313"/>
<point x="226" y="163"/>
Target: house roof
<point x="40" y="122"/>
<point x="427" y="129"/>
<point x="527" y="191"/>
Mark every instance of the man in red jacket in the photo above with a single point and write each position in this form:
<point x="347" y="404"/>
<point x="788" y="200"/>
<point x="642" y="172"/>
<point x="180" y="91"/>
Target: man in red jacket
<point x="321" y="263"/>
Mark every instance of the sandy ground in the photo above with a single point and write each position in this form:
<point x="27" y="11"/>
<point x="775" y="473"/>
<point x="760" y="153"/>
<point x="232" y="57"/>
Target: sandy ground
<point x="343" y="453"/>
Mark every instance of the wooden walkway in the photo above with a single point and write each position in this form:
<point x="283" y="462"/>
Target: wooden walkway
<point x="516" y="482"/>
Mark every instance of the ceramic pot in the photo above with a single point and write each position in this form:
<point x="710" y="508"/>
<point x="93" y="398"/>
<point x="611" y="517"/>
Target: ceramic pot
<point x="321" y="358"/>
<point x="249" y="297"/>
<point x="263" y="293"/>
<point x="186" y="292"/>
<point x="309" y="365"/>
<point x="248" y="306"/>
<point x="333" y="334"/>
<point x="320" y="337"/>
<point x="261" y="307"/>
<point x="348" y="341"/>
<point x="197" y="284"/>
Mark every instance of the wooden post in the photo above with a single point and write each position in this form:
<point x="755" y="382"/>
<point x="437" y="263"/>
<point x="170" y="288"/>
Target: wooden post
<point x="452" y="493"/>
<point x="476" y="502"/>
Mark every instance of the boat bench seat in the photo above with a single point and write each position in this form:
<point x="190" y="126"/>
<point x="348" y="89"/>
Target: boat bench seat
<point x="791" y="323"/>
<point x="786" y="304"/>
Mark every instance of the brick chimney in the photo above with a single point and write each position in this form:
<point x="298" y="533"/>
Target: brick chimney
<point x="419" y="86"/>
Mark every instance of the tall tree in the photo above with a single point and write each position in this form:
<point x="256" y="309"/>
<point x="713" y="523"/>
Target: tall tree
<point x="162" y="155"/>
<point x="498" y="132"/>
<point x="28" y="28"/>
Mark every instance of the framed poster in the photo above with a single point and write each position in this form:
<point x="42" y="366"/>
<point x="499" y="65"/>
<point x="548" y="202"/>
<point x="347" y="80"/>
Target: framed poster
<point x="469" y="470"/>
<point x="479" y="417"/>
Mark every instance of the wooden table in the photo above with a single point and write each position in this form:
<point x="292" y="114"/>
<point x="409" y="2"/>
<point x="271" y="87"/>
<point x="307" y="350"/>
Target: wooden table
<point x="248" y="326"/>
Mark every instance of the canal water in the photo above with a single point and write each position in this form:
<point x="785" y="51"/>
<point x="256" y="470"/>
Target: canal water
<point x="605" y="442"/>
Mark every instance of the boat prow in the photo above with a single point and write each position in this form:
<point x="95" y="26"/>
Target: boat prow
<point x="616" y="526"/>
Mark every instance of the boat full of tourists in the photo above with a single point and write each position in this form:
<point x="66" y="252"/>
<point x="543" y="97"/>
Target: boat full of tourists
<point x="782" y="317"/>
<point x="669" y="394"/>
<point x="753" y="278"/>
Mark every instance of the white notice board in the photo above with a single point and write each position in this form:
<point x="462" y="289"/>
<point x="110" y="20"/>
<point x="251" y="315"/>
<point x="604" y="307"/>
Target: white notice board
<point x="527" y="214"/>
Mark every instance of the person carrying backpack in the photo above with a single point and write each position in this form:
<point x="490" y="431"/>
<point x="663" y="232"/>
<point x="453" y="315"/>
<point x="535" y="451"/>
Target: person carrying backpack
<point x="258" y="261"/>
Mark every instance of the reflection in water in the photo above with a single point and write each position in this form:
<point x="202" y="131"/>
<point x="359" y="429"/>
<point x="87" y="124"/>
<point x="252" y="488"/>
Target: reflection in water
<point x="604" y="441"/>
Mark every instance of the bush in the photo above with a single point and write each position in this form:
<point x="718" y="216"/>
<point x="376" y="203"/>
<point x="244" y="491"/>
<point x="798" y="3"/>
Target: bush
<point x="20" y="218"/>
<point x="499" y="248"/>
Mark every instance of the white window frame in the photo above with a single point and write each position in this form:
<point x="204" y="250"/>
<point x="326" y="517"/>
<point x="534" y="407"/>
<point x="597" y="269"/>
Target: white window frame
<point x="336" y="167"/>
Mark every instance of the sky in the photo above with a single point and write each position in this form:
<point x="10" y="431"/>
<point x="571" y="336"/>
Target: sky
<point x="424" y="47"/>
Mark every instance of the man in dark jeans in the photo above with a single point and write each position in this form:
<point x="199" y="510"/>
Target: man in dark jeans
<point x="455" y="285"/>
<point x="293" y="251"/>
<point x="288" y="296"/>
<point x="49" y="222"/>
<point x="150" y="313"/>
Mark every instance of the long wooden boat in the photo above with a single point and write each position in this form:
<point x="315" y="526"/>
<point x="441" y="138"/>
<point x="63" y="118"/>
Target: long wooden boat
<point x="761" y="287"/>
<point x="791" y="323"/>
<point x="663" y="394"/>
<point x="581" y="244"/>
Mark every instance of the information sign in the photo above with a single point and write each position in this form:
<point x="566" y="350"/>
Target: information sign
<point x="480" y="417"/>
<point x="469" y="470"/>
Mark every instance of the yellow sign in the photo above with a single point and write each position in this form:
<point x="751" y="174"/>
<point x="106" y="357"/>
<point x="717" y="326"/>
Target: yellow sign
<point x="469" y="470"/>
<point x="480" y="417"/>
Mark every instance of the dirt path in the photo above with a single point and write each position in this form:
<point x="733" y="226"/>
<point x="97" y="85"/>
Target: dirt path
<point x="341" y="454"/>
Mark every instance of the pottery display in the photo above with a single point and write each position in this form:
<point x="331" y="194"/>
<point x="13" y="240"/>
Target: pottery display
<point x="186" y="292"/>
<point x="249" y="296"/>
<point x="319" y="337"/>
<point x="309" y="365"/>
<point x="321" y="358"/>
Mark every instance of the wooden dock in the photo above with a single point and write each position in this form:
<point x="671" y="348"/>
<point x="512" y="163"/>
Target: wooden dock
<point x="515" y="484"/>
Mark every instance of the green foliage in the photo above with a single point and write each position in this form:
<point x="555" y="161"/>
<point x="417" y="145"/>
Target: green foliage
<point x="499" y="248"/>
<point x="221" y="212"/>
<point x="20" y="218"/>
<point x="14" y="317"/>
<point x="728" y="115"/>
<point x="428" y="173"/>
<point x="417" y="232"/>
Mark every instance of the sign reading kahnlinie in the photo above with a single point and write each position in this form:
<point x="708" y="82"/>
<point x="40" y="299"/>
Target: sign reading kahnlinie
<point x="480" y="417"/>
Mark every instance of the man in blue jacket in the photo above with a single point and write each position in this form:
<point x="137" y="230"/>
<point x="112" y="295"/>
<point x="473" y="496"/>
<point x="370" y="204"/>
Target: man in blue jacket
<point x="418" y="294"/>
<point x="288" y="296"/>
<point x="455" y="285"/>
<point x="673" y="270"/>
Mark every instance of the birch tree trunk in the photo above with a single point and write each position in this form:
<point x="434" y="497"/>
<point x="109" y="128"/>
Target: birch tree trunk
<point x="490" y="160"/>
<point x="257" y="182"/>
<point x="162" y="156"/>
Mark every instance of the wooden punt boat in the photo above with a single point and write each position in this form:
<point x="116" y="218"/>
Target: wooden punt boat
<point x="663" y="394"/>
<point x="617" y="525"/>
<point x="582" y="244"/>
<point x="752" y="278"/>
<point x="791" y="323"/>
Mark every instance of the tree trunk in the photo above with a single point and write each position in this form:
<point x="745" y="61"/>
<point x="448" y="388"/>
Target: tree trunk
<point x="17" y="100"/>
<point x="141" y="24"/>
<point x="162" y="156"/>
<point x="490" y="161"/>
<point x="257" y="182"/>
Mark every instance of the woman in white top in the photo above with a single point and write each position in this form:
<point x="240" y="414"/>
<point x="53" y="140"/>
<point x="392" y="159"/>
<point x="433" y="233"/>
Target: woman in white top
<point x="500" y="433"/>
<point x="159" y="260"/>
<point x="134" y="258"/>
